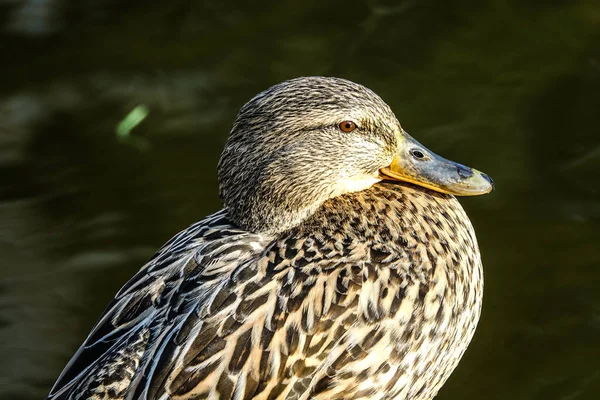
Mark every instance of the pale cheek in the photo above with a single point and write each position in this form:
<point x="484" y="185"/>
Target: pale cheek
<point x="355" y="183"/>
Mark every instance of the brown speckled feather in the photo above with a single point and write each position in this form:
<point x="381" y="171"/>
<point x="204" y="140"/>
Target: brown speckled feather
<point x="375" y="296"/>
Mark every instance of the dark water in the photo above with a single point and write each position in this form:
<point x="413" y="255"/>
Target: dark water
<point x="509" y="87"/>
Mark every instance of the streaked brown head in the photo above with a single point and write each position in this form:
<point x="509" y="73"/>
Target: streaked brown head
<point x="309" y="139"/>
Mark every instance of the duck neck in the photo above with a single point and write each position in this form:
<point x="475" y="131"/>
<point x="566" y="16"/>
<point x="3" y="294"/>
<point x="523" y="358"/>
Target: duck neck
<point x="270" y="212"/>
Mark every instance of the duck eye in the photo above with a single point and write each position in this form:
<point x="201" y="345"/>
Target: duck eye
<point x="347" y="126"/>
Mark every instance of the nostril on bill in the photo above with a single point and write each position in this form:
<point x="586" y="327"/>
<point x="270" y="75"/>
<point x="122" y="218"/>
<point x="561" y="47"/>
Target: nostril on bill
<point x="463" y="171"/>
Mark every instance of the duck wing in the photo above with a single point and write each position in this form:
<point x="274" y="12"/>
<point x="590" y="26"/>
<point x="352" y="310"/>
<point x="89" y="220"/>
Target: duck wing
<point x="220" y="313"/>
<point x="147" y="320"/>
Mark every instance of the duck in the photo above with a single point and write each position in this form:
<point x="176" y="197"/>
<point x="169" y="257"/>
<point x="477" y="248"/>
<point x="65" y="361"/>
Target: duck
<point x="342" y="266"/>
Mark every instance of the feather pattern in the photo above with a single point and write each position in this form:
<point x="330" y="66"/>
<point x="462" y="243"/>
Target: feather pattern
<point x="374" y="296"/>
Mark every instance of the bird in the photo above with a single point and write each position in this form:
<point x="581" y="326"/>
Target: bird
<point x="341" y="266"/>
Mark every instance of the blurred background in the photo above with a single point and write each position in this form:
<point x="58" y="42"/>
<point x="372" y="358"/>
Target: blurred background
<point x="511" y="87"/>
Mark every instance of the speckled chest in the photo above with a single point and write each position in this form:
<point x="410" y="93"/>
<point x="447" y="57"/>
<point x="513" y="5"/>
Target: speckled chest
<point x="379" y="294"/>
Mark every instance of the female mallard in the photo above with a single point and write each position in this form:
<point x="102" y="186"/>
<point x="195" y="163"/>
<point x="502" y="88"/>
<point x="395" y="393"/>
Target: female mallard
<point x="340" y="268"/>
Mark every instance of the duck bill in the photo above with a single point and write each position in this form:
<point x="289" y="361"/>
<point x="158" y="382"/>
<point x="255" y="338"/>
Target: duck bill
<point x="434" y="172"/>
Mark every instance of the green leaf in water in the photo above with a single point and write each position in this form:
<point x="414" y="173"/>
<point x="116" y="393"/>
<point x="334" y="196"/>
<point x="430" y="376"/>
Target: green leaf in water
<point x="131" y="120"/>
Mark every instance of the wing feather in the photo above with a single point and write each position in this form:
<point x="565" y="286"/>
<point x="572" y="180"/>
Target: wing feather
<point x="158" y="306"/>
<point x="220" y="313"/>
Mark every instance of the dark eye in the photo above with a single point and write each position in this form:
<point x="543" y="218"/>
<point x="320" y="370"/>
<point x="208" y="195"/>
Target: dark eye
<point x="418" y="154"/>
<point x="347" y="126"/>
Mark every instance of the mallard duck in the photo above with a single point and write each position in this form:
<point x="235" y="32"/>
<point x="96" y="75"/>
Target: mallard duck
<point x="341" y="267"/>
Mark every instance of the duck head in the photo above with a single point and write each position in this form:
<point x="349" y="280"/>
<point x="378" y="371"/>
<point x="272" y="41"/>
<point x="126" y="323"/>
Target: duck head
<point x="309" y="139"/>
